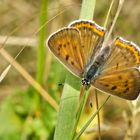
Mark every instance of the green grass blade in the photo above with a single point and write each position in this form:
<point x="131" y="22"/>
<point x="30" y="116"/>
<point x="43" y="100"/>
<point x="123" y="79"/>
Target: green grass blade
<point x="70" y="98"/>
<point x="81" y="108"/>
<point x="68" y="108"/>
<point x="41" y="46"/>
<point x="87" y="11"/>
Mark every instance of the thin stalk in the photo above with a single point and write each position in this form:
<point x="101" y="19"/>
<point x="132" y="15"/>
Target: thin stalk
<point x="98" y="114"/>
<point x="84" y="93"/>
<point x="108" y="13"/>
<point x="90" y="120"/>
<point x="29" y="78"/>
<point x="113" y="23"/>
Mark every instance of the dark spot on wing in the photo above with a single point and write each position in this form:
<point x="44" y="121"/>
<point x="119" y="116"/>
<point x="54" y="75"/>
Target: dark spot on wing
<point x="64" y="45"/>
<point x="126" y="81"/>
<point x="126" y="59"/>
<point x="91" y="24"/>
<point x="72" y="62"/>
<point x="126" y="90"/>
<point x="106" y="85"/>
<point x="67" y="57"/>
<point x="114" y="87"/>
<point x="74" y="47"/>
<point x="120" y="77"/>
<point x="126" y="84"/>
<point x="117" y="66"/>
<point x="59" y="47"/>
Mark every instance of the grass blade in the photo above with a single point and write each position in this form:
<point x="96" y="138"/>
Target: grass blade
<point x="42" y="39"/>
<point x="81" y="106"/>
<point x="87" y="11"/>
<point x="4" y="73"/>
<point x="90" y="120"/>
<point x="68" y="107"/>
<point x="114" y="21"/>
<point x="29" y="78"/>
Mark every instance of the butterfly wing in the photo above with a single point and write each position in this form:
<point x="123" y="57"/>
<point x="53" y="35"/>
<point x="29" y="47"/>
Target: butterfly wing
<point x="120" y="74"/>
<point x="74" y="45"/>
<point x="125" y="83"/>
<point x="66" y="46"/>
<point x="124" y="54"/>
<point x="92" y="36"/>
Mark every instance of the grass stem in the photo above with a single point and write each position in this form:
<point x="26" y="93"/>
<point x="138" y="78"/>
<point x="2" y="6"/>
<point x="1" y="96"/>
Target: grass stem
<point x="42" y="39"/>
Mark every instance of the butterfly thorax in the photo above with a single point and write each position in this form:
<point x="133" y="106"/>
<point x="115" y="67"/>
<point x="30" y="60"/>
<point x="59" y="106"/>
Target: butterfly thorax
<point x="93" y="68"/>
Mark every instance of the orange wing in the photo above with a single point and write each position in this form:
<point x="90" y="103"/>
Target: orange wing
<point x="120" y="74"/>
<point x="124" y="84"/>
<point x="124" y="54"/>
<point x="92" y="36"/>
<point x="66" y="46"/>
<point x="75" y="45"/>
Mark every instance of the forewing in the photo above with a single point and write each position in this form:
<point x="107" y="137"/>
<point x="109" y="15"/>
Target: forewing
<point x="92" y="36"/>
<point x="65" y="44"/>
<point x="120" y="74"/>
<point x="124" y="54"/>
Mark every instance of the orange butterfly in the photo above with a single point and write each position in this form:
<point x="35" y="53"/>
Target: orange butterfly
<point x="113" y="69"/>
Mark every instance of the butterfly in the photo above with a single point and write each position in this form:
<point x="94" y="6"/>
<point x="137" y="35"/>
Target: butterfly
<point x="112" y="69"/>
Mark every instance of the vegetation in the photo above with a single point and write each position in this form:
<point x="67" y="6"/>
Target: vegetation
<point x="35" y="87"/>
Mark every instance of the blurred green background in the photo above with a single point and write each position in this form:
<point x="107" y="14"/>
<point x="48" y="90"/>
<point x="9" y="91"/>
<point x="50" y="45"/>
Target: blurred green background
<point x="24" y="114"/>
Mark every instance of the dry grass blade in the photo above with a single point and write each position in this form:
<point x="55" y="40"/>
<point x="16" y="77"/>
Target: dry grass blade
<point x="114" y="21"/>
<point x="25" y="42"/>
<point x="108" y="13"/>
<point x="29" y="78"/>
<point x="4" y="73"/>
<point x="98" y="114"/>
<point x="132" y="119"/>
<point x="18" y="41"/>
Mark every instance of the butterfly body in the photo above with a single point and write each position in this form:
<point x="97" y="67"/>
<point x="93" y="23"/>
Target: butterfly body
<point x="113" y="69"/>
<point x="93" y="68"/>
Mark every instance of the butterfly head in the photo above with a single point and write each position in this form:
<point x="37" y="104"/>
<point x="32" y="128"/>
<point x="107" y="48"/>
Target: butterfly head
<point x="85" y="82"/>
